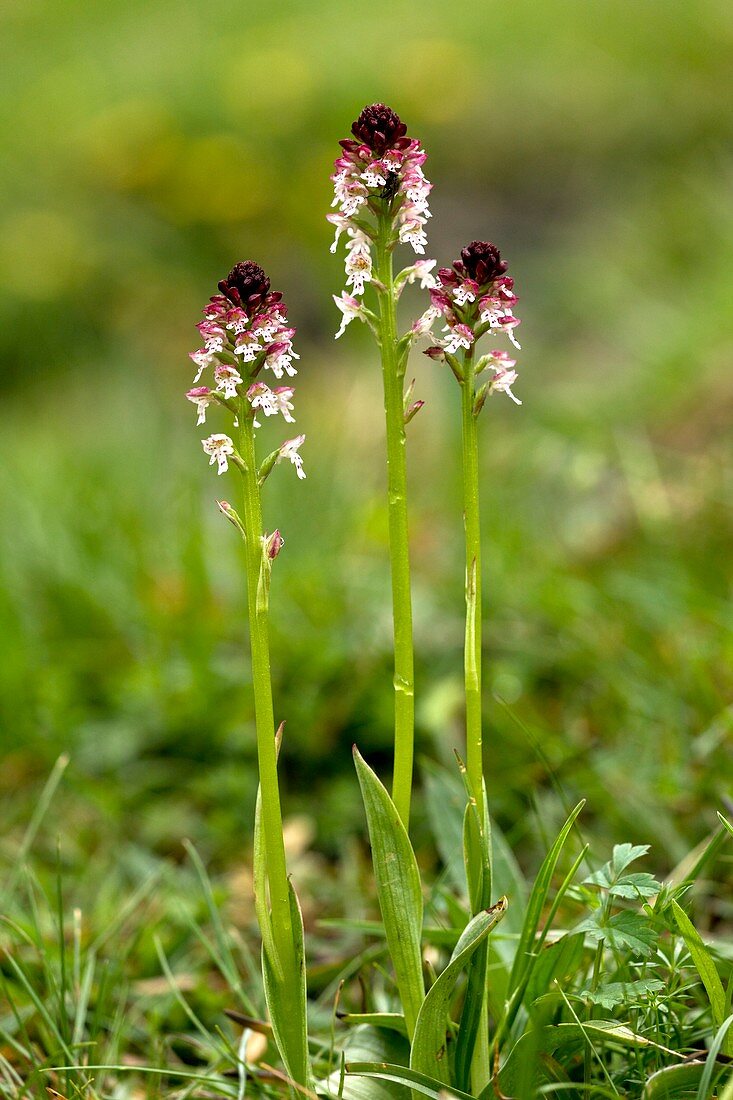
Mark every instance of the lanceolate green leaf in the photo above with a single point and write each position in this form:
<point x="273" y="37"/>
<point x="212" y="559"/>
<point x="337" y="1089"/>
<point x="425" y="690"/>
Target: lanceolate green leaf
<point x="429" y="1053"/>
<point x="398" y="889"/>
<point x="706" y="968"/>
<point x="386" y="1021"/>
<point x="537" y="902"/>
<point x="472" y="1046"/>
<point x="557" y="961"/>
<point x="286" y="1003"/>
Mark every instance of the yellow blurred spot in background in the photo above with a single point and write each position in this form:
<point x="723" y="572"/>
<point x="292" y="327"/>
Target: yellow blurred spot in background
<point x="42" y="255"/>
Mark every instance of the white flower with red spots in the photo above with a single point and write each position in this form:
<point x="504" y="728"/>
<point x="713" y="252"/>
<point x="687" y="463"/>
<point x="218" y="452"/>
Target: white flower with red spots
<point x="350" y="309"/>
<point x="424" y="324"/>
<point x="219" y="447"/>
<point x="421" y="270"/>
<point x="202" y="359"/>
<point x="358" y="260"/>
<point x="227" y="379"/>
<point x="272" y="402"/>
<point x="290" y="449"/>
<point x="502" y="382"/>
<point x="202" y="397"/>
<point x="498" y="316"/>
<point x="280" y="357"/>
<point x="247" y="346"/>
<point x="459" y="336"/>
<point x="466" y="292"/>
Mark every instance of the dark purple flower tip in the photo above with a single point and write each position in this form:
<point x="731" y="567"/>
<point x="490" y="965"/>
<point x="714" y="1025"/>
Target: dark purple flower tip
<point x="482" y="262"/>
<point x="246" y="285"/>
<point x="447" y="277"/>
<point x="379" y="127"/>
<point x="435" y="352"/>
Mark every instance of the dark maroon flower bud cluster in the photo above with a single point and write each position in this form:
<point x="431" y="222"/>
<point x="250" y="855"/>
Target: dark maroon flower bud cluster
<point x="481" y="261"/>
<point x="379" y="127"/>
<point x="246" y="285"/>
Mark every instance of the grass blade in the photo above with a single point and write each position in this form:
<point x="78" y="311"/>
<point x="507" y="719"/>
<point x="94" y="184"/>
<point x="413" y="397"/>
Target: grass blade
<point x="418" y="1082"/>
<point x="706" y="968"/>
<point x="44" y="801"/>
<point x="536" y="903"/>
<point x="719" y="1043"/>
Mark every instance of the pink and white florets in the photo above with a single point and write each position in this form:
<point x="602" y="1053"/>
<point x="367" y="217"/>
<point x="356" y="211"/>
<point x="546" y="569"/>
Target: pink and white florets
<point x="272" y="402"/>
<point x="475" y="296"/>
<point x="245" y="331"/>
<point x="380" y="169"/>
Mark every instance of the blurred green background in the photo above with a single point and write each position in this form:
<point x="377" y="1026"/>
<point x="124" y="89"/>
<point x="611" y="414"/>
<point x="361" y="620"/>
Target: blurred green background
<point x="148" y="147"/>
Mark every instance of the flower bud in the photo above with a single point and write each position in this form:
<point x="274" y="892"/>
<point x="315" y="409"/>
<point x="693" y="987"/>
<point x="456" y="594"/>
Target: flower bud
<point x="246" y="285"/>
<point x="482" y="262"/>
<point x="272" y="544"/>
<point x="226" y="509"/>
<point x="379" y="127"/>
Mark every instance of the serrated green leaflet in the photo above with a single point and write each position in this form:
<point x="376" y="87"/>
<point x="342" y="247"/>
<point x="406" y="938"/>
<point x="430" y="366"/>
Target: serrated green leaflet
<point x="706" y="968"/>
<point x="622" y="993"/>
<point x="429" y="1054"/>
<point x="418" y="1082"/>
<point x="626" y="931"/>
<point x="398" y="889"/>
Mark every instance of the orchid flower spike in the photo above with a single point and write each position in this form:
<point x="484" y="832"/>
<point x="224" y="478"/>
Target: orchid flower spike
<point x="474" y="296"/>
<point x="245" y="334"/>
<point x="379" y="172"/>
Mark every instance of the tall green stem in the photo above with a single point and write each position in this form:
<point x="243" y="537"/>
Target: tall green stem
<point x="257" y="601"/>
<point x="473" y="641"/>
<point x="393" y="370"/>
<point x="474" y="1062"/>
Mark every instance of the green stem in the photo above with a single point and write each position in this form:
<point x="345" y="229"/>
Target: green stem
<point x="393" y="370"/>
<point x="477" y="1053"/>
<point x="473" y="641"/>
<point x="257" y="601"/>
